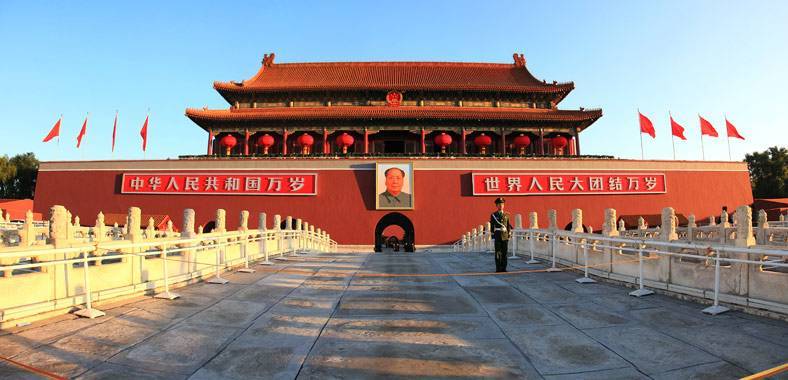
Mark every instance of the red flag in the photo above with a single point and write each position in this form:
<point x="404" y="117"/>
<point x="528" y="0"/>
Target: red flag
<point x="114" y="131"/>
<point x="732" y="132"/>
<point x="144" y="134"/>
<point x="55" y="131"/>
<point x="82" y="132"/>
<point x="646" y="126"/>
<point x="676" y="129"/>
<point x="706" y="128"/>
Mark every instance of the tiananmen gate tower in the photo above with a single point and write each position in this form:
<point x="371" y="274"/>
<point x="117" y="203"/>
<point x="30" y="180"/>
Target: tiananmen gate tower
<point x="358" y="147"/>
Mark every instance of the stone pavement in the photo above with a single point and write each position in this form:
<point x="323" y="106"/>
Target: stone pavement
<point x="324" y="317"/>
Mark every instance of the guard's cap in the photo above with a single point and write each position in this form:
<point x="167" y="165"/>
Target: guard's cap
<point x="499" y="200"/>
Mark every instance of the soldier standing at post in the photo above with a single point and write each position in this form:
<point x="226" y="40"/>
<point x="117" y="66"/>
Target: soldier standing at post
<point x="499" y="220"/>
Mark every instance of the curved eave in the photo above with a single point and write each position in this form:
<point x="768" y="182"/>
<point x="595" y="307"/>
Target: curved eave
<point x="205" y="116"/>
<point x="239" y="88"/>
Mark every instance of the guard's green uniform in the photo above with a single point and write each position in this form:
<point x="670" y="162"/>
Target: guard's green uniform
<point x="502" y="229"/>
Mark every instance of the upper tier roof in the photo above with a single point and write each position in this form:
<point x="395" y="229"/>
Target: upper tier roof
<point x="400" y="76"/>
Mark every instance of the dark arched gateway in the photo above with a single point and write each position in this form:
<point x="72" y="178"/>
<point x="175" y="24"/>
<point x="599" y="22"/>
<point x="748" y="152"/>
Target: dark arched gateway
<point x="395" y="218"/>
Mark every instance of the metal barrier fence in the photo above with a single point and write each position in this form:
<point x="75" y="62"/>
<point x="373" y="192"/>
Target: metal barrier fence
<point x="755" y="277"/>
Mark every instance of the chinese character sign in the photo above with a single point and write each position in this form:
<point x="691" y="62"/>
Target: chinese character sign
<point x="563" y="183"/>
<point x="220" y="183"/>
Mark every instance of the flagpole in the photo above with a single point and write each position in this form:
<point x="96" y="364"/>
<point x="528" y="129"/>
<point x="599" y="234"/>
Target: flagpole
<point x="728" y="136"/>
<point x="145" y="151"/>
<point x="641" y="137"/>
<point x="58" y="138"/>
<point x="114" y="129"/>
<point x="672" y="137"/>
<point x="702" y="152"/>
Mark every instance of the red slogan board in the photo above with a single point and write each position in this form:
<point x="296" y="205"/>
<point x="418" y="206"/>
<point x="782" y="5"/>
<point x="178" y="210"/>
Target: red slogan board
<point x="220" y="183"/>
<point x="568" y="183"/>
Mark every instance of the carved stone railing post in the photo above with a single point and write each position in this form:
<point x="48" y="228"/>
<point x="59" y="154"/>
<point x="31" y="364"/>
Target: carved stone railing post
<point x="668" y="227"/>
<point x="712" y="222"/>
<point x="187" y="231"/>
<point x="621" y="226"/>
<point x="533" y="220"/>
<point x="58" y="227"/>
<point x="243" y="223"/>
<point x="763" y="228"/>
<point x="150" y="231"/>
<point x="262" y="221"/>
<point x="577" y="220"/>
<point x="135" y="225"/>
<point x="691" y="225"/>
<point x="552" y="217"/>
<point x="724" y="219"/>
<point x="100" y="229"/>
<point x="277" y="222"/>
<point x="744" y="236"/>
<point x="641" y="223"/>
<point x="609" y="224"/>
<point x="518" y="221"/>
<point x="289" y="222"/>
<point x="169" y="232"/>
<point x="69" y="226"/>
<point x="27" y="235"/>
<point x="221" y="221"/>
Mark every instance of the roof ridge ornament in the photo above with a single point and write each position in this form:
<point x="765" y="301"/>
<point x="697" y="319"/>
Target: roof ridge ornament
<point x="268" y="60"/>
<point x="519" y="60"/>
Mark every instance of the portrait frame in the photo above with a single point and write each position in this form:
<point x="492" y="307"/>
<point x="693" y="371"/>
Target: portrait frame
<point x="381" y="189"/>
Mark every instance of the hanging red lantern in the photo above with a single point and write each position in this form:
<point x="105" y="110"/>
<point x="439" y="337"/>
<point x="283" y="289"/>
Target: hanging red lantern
<point x="559" y="142"/>
<point x="443" y="140"/>
<point x="228" y="142"/>
<point x="266" y="141"/>
<point x="521" y="142"/>
<point x="305" y="141"/>
<point x="482" y="141"/>
<point x="344" y="141"/>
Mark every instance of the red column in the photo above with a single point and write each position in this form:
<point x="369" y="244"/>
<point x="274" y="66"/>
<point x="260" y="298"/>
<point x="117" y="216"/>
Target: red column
<point x="423" y="144"/>
<point x="503" y="142"/>
<point x="325" y="141"/>
<point x="284" y="142"/>
<point x="246" y="142"/>
<point x="366" y="141"/>
<point x="541" y="141"/>
<point x="571" y="146"/>
<point x="210" y="142"/>
<point x="462" y="141"/>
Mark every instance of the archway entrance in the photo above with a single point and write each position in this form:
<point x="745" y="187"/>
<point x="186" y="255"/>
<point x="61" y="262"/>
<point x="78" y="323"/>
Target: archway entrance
<point x="408" y="240"/>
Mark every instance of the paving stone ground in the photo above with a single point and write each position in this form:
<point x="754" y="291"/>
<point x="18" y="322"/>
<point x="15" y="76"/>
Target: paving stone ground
<point x="333" y="316"/>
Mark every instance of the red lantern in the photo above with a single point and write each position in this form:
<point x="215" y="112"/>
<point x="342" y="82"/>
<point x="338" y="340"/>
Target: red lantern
<point x="559" y="142"/>
<point x="443" y="140"/>
<point x="482" y="141"/>
<point x="228" y="142"/>
<point x="521" y="142"/>
<point x="305" y="141"/>
<point x="266" y="141"/>
<point x="345" y="140"/>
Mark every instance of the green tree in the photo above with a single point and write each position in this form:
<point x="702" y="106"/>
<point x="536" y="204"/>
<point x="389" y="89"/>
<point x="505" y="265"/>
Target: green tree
<point x="7" y="173"/>
<point x="18" y="176"/>
<point x="769" y="172"/>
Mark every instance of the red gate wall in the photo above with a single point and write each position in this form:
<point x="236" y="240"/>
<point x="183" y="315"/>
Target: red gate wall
<point x="345" y="202"/>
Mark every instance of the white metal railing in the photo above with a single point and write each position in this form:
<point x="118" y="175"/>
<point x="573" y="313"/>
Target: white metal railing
<point x="763" y="281"/>
<point x="42" y="269"/>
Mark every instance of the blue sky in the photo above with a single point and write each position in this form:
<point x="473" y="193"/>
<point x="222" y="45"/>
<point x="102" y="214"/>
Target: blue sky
<point x="687" y="57"/>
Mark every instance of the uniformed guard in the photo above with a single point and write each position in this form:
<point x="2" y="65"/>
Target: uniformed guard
<point x="499" y="220"/>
